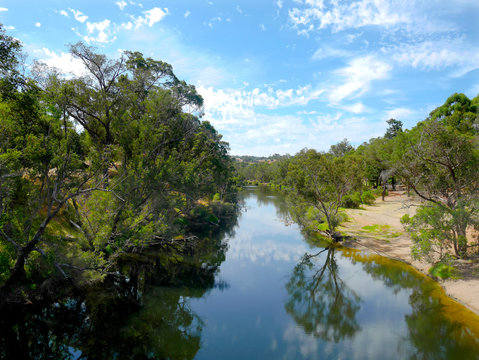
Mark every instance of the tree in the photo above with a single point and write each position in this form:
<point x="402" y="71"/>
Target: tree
<point x="442" y="167"/>
<point x="73" y="203"/>
<point x="394" y="128"/>
<point x="341" y="148"/>
<point x="320" y="180"/>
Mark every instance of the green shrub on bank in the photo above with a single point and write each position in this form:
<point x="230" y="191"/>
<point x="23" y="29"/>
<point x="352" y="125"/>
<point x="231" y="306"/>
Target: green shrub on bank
<point x="351" y="201"/>
<point x="443" y="271"/>
<point x="368" y="197"/>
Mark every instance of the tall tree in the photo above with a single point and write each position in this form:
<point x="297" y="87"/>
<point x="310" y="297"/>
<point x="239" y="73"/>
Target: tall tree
<point x="442" y="167"/>
<point x="394" y="128"/>
<point x="320" y="180"/>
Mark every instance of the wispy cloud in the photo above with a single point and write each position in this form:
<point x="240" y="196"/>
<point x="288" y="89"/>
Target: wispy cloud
<point x="358" y="76"/>
<point x="121" y="4"/>
<point x="3" y="9"/>
<point x="37" y="24"/>
<point x="318" y="14"/>
<point x="329" y="52"/>
<point x="356" y="108"/>
<point x="398" y="113"/>
<point x="446" y="52"/>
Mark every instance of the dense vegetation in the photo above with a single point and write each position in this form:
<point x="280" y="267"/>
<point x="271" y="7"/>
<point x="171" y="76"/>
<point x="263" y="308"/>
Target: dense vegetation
<point x="99" y="167"/>
<point x="437" y="160"/>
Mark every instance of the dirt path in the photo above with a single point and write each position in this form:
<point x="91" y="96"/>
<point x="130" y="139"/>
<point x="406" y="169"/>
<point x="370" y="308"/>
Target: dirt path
<point x="378" y="228"/>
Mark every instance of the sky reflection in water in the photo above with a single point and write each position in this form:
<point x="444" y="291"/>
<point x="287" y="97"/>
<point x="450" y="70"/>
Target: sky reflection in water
<point x="279" y="304"/>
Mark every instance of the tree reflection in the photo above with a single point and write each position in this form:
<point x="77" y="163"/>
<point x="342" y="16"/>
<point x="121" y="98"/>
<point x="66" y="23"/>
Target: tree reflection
<point x="142" y="314"/>
<point x="431" y="333"/>
<point x="268" y="196"/>
<point x="319" y="300"/>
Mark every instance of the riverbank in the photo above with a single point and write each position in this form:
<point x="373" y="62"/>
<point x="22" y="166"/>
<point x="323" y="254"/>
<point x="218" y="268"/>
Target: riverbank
<point x="378" y="228"/>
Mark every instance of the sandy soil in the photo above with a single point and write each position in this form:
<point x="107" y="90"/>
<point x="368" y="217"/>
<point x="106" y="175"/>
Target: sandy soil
<point x="385" y="235"/>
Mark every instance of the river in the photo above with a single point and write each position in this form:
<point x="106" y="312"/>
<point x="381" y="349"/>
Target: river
<point x="263" y="291"/>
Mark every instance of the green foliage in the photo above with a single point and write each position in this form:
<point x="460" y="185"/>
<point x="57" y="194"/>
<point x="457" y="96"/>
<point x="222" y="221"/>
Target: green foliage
<point x="442" y="167"/>
<point x="73" y="203"/>
<point x="368" y="197"/>
<point x="443" y="271"/>
<point x="394" y="128"/>
<point x="352" y="201"/>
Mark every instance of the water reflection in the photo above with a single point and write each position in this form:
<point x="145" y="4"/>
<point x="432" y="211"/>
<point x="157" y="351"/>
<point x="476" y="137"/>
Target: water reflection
<point x="319" y="300"/>
<point x="253" y="295"/>
<point x="143" y="314"/>
<point x="430" y="333"/>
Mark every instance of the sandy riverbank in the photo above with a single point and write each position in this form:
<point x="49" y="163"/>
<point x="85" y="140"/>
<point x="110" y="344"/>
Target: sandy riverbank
<point x="378" y="228"/>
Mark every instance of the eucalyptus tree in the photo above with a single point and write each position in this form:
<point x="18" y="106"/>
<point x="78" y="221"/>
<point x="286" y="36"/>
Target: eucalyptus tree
<point x="442" y="167"/>
<point x="320" y="180"/>
<point x="99" y="166"/>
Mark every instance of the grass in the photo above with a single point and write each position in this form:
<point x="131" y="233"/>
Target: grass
<point x="383" y="232"/>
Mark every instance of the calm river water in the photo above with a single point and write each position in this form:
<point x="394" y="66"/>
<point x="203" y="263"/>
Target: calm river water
<point x="263" y="291"/>
<point x="333" y="304"/>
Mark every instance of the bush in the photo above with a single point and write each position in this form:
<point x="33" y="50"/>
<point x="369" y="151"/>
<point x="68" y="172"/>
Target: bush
<point x="351" y="201"/>
<point x="443" y="271"/>
<point x="368" y="197"/>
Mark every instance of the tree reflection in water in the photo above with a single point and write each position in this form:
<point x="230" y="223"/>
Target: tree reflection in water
<point x="320" y="301"/>
<point x="143" y="315"/>
<point x="432" y="334"/>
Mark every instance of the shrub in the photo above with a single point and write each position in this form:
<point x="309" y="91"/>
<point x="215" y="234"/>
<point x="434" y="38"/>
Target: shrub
<point x="443" y="271"/>
<point x="368" y="197"/>
<point x="351" y="201"/>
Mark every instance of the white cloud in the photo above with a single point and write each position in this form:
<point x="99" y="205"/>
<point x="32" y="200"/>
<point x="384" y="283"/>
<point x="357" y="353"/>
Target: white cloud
<point x="262" y="27"/>
<point x="79" y="16"/>
<point x="315" y="14"/>
<point x="9" y="27"/>
<point x="437" y="55"/>
<point x="155" y="15"/>
<point x="37" y="24"/>
<point x="231" y="105"/>
<point x="187" y="13"/>
<point x="151" y="17"/>
<point x="121" y="4"/>
<point x="399" y="113"/>
<point x="3" y="9"/>
<point x="102" y="29"/>
<point x="356" y="108"/>
<point x="64" y="13"/>
<point x="65" y="62"/>
<point x="279" y="3"/>
<point x="127" y="26"/>
<point x="329" y="52"/>
<point x="358" y="76"/>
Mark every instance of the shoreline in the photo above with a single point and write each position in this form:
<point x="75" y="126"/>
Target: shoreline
<point x="377" y="228"/>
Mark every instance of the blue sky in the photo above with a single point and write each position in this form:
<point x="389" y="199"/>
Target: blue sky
<point x="278" y="75"/>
